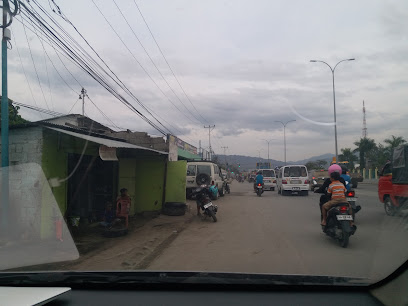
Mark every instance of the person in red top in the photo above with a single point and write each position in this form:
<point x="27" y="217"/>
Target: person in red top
<point x="337" y="192"/>
<point x="123" y="204"/>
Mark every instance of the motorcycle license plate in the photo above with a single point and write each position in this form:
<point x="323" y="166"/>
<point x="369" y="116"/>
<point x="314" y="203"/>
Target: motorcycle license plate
<point x="207" y="205"/>
<point x="295" y="188"/>
<point x="260" y="187"/>
<point x="345" y="217"/>
<point x="351" y="199"/>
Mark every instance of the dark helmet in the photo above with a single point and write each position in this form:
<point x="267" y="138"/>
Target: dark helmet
<point x="344" y="169"/>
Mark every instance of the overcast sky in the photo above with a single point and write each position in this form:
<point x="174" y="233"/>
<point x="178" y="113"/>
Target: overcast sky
<point x="243" y="64"/>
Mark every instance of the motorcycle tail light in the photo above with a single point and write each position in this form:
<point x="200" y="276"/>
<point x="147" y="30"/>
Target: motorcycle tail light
<point x="284" y="182"/>
<point x="351" y="194"/>
<point x="343" y="209"/>
<point x="259" y="184"/>
<point x="313" y="177"/>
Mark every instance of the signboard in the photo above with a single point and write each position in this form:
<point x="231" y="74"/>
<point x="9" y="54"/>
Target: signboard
<point x="263" y="166"/>
<point x="181" y="144"/>
<point x="107" y="153"/>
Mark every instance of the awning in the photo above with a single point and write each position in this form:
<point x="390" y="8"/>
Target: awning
<point x="106" y="142"/>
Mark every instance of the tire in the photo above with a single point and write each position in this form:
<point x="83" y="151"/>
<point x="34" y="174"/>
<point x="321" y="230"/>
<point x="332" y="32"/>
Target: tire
<point x="203" y="179"/>
<point x="389" y="208"/>
<point x="279" y="191"/>
<point x="306" y="193"/>
<point x="273" y="188"/>
<point x="346" y="234"/>
<point x="212" y="214"/>
<point x="258" y="193"/>
<point x="229" y="190"/>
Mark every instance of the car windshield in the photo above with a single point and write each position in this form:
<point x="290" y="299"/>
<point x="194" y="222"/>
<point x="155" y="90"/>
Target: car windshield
<point x="204" y="169"/>
<point x="114" y="113"/>
<point x="295" y="171"/>
<point x="268" y="173"/>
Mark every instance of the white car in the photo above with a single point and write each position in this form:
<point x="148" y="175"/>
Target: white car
<point x="204" y="173"/>
<point x="293" y="179"/>
<point x="269" y="179"/>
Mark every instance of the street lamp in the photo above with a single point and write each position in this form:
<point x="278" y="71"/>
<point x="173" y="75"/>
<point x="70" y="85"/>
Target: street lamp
<point x="284" y="135"/>
<point x="268" y="141"/>
<point x="334" y="98"/>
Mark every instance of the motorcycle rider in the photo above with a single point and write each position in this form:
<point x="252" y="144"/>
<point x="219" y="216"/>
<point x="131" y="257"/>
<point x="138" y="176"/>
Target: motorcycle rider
<point x="323" y="189"/>
<point x="337" y="192"/>
<point x="258" y="179"/>
<point x="346" y="177"/>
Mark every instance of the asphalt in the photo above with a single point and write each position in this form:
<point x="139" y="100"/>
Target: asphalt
<point x="282" y="235"/>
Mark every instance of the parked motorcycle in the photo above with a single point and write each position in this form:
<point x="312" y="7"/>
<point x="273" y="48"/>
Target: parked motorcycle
<point x="227" y="188"/>
<point x="259" y="189"/>
<point x="202" y="195"/>
<point x="338" y="224"/>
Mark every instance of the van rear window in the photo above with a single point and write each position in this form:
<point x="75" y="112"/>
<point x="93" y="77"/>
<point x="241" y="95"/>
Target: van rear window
<point x="203" y="169"/>
<point x="268" y="173"/>
<point x="295" y="171"/>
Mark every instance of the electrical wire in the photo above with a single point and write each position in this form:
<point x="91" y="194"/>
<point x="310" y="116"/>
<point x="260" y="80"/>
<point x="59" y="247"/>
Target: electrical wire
<point x="165" y="59"/>
<point x="73" y="106"/>
<point x="35" y="68"/>
<point x="154" y="64"/>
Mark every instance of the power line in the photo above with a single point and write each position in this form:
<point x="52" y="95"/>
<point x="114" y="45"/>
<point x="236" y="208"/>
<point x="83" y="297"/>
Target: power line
<point x="141" y="66"/>
<point x="35" y="68"/>
<point x="165" y="59"/>
<point x="154" y="64"/>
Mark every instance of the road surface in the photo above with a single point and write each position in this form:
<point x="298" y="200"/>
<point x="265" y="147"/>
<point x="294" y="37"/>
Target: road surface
<point x="282" y="235"/>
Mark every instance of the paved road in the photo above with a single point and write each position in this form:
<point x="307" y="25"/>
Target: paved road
<point x="282" y="235"/>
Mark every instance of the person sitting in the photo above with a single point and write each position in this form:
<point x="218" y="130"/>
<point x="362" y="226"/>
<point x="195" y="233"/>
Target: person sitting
<point x="108" y="216"/>
<point x="337" y="191"/>
<point x="123" y="204"/>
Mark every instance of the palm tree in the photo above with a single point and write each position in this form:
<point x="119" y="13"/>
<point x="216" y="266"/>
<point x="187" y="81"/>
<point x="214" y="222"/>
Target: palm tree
<point x="348" y="155"/>
<point x="364" y="145"/>
<point x="394" y="142"/>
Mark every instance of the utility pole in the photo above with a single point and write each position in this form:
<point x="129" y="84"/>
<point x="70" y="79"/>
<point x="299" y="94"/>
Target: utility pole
<point x="225" y="155"/>
<point x="210" y="128"/>
<point x="82" y="96"/>
<point x="5" y="112"/>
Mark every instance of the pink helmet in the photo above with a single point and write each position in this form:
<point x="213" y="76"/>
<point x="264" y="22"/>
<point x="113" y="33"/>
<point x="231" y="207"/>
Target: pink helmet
<point x="335" y="168"/>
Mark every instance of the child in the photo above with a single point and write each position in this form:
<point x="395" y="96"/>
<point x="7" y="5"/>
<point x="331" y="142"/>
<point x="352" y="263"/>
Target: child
<point x="337" y="191"/>
<point x="123" y="204"/>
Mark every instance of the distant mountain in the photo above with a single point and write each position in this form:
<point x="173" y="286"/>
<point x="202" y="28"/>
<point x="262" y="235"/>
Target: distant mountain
<point x="249" y="162"/>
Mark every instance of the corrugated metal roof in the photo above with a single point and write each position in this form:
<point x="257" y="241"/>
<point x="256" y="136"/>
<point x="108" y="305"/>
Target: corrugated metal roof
<point x="103" y="141"/>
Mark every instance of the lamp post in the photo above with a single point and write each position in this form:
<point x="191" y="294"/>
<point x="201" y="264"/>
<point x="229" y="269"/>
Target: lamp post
<point x="268" y="141"/>
<point x="284" y="135"/>
<point x="334" y="98"/>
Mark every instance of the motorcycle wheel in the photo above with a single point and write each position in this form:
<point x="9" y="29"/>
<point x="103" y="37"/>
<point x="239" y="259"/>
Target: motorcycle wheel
<point x="222" y="191"/>
<point x="212" y="214"/>
<point x="345" y="236"/>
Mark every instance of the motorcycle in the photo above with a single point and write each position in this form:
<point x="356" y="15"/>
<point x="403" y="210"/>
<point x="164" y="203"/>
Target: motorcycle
<point x="259" y="189"/>
<point x="338" y="224"/>
<point x="202" y="195"/>
<point x="227" y="188"/>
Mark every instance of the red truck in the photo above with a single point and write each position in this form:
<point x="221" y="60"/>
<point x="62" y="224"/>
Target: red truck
<point x="393" y="182"/>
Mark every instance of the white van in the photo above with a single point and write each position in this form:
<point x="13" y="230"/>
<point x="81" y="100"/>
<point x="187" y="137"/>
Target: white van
<point x="269" y="179"/>
<point x="293" y="179"/>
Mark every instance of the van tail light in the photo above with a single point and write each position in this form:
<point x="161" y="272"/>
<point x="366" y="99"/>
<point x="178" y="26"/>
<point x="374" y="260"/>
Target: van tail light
<point x="284" y="182"/>
<point x="274" y="181"/>
<point x="344" y="209"/>
<point x="350" y="194"/>
<point x="306" y="181"/>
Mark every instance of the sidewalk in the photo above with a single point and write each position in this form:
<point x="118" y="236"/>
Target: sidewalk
<point x="147" y="237"/>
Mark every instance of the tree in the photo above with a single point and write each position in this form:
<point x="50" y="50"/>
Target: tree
<point x="394" y="142"/>
<point x="348" y="155"/>
<point x="364" y="145"/>
<point x="379" y="155"/>
<point x="14" y="117"/>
